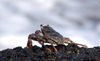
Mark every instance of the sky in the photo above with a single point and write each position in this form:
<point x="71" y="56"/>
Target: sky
<point x="75" y="19"/>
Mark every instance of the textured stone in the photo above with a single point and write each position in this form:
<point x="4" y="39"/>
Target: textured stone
<point x="65" y="53"/>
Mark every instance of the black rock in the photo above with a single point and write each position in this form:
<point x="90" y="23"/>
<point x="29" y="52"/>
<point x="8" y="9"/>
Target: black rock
<point x="27" y="52"/>
<point x="0" y="54"/>
<point x="71" y="52"/>
<point x="17" y="49"/>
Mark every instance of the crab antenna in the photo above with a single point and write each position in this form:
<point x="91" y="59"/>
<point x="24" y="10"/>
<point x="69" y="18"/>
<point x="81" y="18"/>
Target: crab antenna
<point x="41" y="26"/>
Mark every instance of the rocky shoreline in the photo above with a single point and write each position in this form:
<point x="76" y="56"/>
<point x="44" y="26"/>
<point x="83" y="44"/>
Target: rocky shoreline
<point x="71" y="52"/>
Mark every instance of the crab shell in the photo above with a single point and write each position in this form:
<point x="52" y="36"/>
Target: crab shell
<point x="52" y="35"/>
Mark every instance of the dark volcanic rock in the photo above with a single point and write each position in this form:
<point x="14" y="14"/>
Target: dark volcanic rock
<point x="70" y="52"/>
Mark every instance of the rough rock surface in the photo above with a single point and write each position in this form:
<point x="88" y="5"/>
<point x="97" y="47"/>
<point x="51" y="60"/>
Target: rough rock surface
<point x="65" y="53"/>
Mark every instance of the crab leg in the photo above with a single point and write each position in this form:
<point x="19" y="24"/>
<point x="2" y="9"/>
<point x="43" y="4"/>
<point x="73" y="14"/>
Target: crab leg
<point x="81" y="45"/>
<point x="54" y="48"/>
<point x="33" y="37"/>
<point x="38" y="39"/>
<point x="67" y="40"/>
<point x="29" y="43"/>
<point x="51" y="43"/>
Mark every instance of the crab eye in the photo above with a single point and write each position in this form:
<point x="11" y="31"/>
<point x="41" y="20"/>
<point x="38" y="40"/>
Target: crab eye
<point x="41" y="26"/>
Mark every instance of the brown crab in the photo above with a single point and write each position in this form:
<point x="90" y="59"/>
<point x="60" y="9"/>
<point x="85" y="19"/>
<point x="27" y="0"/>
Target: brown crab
<point x="48" y="35"/>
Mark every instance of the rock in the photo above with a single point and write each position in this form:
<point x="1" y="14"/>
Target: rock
<point x="17" y="49"/>
<point x="28" y="52"/>
<point x="0" y="55"/>
<point x="65" y="53"/>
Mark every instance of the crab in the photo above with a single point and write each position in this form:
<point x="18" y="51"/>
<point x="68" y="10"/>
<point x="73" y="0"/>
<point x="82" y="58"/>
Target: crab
<point x="48" y="35"/>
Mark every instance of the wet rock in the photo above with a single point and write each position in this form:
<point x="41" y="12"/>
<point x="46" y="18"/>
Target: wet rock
<point x="70" y="52"/>
<point x="28" y="52"/>
<point x="0" y="54"/>
<point x="36" y="48"/>
<point x="17" y="49"/>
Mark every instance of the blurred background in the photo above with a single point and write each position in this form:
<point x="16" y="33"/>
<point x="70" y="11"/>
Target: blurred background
<point x="78" y="20"/>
